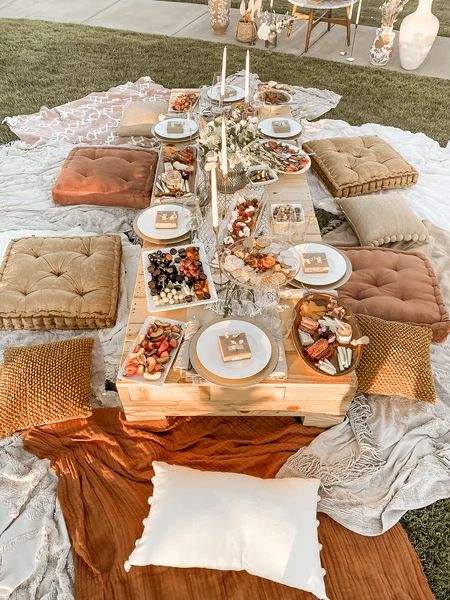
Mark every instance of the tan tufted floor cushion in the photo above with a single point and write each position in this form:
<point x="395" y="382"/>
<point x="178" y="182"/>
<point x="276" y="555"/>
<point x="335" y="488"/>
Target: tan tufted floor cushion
<point x="60" y="283"/>
<point x="359" y="165"/>
<point x="107" y="177"/>
<point x="396" y="286"/>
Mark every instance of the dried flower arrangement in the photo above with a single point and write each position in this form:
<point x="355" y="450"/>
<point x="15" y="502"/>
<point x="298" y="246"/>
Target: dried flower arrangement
<point x="390" y="11"/>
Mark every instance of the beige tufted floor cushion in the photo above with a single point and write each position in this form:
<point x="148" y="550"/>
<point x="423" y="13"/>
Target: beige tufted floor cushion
<point x="396" y="286"/>
<point x="60" y="283"/>
<point x="359" y="165"/>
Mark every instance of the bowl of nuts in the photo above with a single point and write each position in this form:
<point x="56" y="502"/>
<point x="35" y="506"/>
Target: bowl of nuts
<point x="260" y="262"/>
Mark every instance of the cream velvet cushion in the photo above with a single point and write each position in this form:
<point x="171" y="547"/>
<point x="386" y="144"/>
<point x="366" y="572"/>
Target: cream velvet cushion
<point x="380" y="219"/>
<point x="139" y="117"/>
<point x="230" y="521"/>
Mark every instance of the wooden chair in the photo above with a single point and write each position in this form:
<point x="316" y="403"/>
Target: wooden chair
<point x="325" y="8"/>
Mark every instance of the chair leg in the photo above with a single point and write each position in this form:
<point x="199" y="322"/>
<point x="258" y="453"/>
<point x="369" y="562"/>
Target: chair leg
<point x="310" y="28"/>
<point x="349" y="25"/>
<point x="329" y="17"/>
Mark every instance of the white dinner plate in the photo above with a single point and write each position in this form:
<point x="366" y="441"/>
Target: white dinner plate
<point x="190" y="129"/>
<point x="238" y="93"/>
<point x="336" y="262"/>
<point x="266" y="128"/>
<point x="208" y="350"/>
<point x="146" y="222"/>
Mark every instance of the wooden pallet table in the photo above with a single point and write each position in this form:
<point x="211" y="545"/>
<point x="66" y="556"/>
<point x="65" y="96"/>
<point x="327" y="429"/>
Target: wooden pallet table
<point x="318" y="399"/>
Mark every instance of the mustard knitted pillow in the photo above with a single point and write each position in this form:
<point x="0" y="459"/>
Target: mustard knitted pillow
<point x="45" y="383"/>
<point x="396" y="362"/>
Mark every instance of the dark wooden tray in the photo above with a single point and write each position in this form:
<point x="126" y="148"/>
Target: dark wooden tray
<point x="323" y="299"/>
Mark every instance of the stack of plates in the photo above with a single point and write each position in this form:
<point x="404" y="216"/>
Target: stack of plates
<point x="206" y="358"/>
<point x="234" y="93"/>
<point x="339" y="272"/>
<point x="266" y="128"/>
<point x="190" y="131"/>
<point x="145" y="225"/>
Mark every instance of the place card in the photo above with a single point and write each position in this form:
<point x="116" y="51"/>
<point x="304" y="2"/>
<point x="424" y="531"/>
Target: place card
<point x="314" y="262"/>
<point x="281" y="126"/>
<point x="175" y="127"/>
<point x="166" y="219"/>
<point x="234" y="347"/>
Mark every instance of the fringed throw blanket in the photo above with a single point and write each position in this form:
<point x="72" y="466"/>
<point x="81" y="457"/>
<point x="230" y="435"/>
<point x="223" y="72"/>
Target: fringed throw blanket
<point x="103" y="466"/>
<point x="35" y="550"/>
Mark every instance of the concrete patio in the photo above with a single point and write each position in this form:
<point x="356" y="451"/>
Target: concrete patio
<point x="192" y="21"/>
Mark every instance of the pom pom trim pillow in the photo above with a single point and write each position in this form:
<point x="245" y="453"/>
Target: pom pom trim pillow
<point x="46" y="383"/>
<point x="231" y="521"/>
<point x="381" y="219"/>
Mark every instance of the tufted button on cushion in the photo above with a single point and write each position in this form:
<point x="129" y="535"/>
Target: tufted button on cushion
<point x="359" y="165"/>
<point x="396" y="286"/>
<point x="107" y="177"/>
<point x="60" y="283"/>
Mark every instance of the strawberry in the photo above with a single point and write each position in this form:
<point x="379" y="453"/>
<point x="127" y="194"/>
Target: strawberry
<point x="163" y="347"/>
<point x="130" y="370"/>
<point x="173" y="343"/>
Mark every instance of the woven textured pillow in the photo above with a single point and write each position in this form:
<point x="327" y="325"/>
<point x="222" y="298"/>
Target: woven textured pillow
<point x="46" y="383"/>
<point x="352" y="166"/>
<point x="396" y="362"/>
<point x="381" y="219"/>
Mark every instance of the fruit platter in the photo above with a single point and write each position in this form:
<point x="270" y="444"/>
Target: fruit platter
<point x="153" y="352"/>
<point x="177" y="277"/>
<point x="260" y="262"/>
<point x="180" y="161"/>
<point x="327" y="335"/>
<point x="242" y="219"/>
<point x="183" y="100"/>
<point x="283" y="157"/>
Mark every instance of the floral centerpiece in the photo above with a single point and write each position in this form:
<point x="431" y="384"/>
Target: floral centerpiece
<point x="241" y="130"/>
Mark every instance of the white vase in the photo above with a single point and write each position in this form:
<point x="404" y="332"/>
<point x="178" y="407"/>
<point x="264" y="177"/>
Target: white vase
<point x="417" y="34"/>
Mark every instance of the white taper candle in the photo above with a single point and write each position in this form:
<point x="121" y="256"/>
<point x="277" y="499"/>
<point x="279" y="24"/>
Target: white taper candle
<point x="224" y="72"/>
<point x="214" y="203"/>
<point x="224" y="157"/>
<point x="247" y="78"/>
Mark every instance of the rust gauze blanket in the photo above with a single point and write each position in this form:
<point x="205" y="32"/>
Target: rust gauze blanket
<point x="103" y="465"/>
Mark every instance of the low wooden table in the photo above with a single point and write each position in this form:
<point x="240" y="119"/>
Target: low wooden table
<point x="320" y="400"/>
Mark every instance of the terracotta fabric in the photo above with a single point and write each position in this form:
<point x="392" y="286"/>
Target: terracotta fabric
<point x="45" y="383"/>
<point x="103" y="465"/>
<point x="396" y="286"/>
<point x="396" y="362"/>
<point x="60" y="282"/>
<point x="107" y="177"/>
<point x="353" y="166"/>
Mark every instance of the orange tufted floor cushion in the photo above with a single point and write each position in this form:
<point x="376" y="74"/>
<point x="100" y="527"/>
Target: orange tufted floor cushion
<point x="353" y="166"/>
<point x="107" y="177"/>
<point x="60" y="283"/>
<point x="396" y="286"/>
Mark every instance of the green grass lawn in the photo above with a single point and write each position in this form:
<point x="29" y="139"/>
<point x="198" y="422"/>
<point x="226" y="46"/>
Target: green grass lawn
<point x="370" y="11"/>
<point x="43" y="63"/>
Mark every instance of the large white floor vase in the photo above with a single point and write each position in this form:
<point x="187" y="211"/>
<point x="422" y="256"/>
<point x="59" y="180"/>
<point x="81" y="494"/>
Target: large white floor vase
<point x="417" y="34"/>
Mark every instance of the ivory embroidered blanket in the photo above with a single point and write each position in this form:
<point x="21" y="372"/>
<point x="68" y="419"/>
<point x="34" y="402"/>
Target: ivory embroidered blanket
<point x="103" y="466"/>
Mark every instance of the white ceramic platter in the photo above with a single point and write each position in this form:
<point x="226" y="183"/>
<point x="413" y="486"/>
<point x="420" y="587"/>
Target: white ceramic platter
<point x="202" y="254"/>
<point x="208" y="350"/>
<point x="137" y="378"/>
<point x="237" y="95"/>
<point x="273" y="156"/>
<point x="146" y="222"/>
<point x="266" y="128"/>
<point x="190" y="129"/>
<point x="336" y="262"/>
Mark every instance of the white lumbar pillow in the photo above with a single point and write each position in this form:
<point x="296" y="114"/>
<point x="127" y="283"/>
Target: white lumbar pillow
<point x="230" y="521"/>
